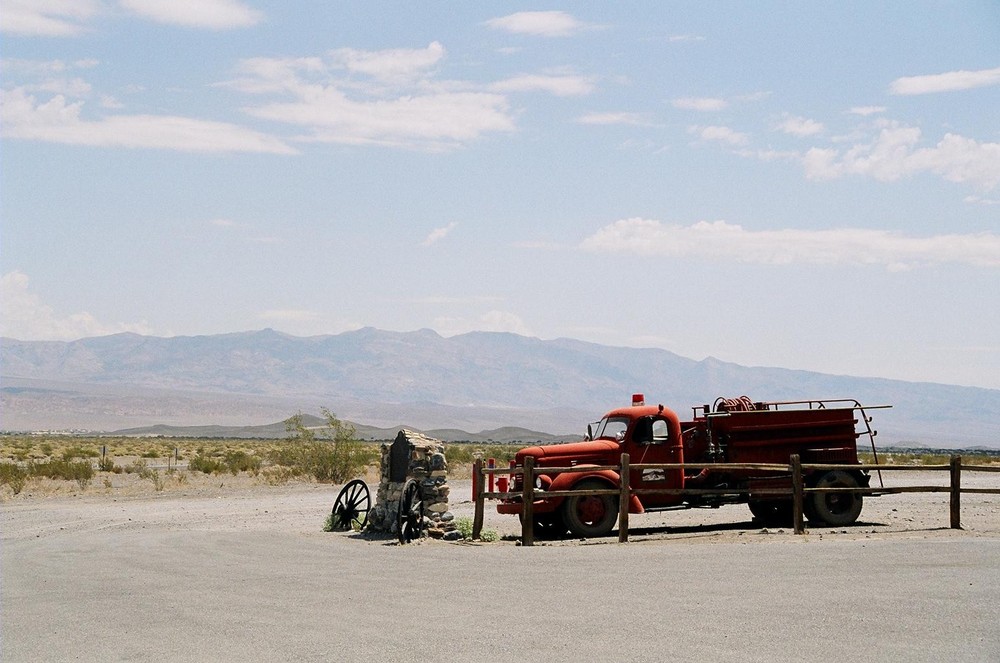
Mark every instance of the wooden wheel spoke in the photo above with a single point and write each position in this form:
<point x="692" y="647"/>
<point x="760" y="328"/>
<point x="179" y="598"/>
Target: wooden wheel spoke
<point x="347" y="511"/>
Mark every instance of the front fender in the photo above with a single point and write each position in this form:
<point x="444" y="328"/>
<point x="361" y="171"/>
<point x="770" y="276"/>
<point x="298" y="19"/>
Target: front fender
<point x="567" y="480"/>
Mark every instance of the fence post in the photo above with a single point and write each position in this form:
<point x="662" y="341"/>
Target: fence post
<point x="477" y="497"/>
<point x="623" y="500"/>
<point x="528" y="503"/>
<point x="956" y="492"/>
<point x="797" y="494"/>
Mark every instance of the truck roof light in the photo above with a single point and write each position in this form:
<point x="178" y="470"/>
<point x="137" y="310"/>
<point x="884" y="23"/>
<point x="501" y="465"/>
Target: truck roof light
<point x="638" y="400"/>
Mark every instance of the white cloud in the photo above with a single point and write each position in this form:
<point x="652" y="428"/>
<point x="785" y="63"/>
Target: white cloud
<point x="947" y="82"/>
<point x="390" y="98"/>
<point x="387" y="98"/>
<point x="684" y="38"/>
<point x="894" y="154"/>
<point x="719" y="240"/>
<point x="70" y="87"/>
<point x="439" y="300"/>
<point x="289" y="315"/>
<point x="720" y="134"/>
<point x="56" y="121"/>
<point x="865" y="111"/>
<point x="43" y="67"/>
<point x="390" y="64"/>
<point x="210" y="14"/>
<point x="979" y="200"/>
<point x="491" y="321"/>
<point x="46" y="18"/>
<point x="539" y="24"/>
<point x="435" y="121"/>
<point x="110" y="103"/>
<point x="438" y="234"/>
<point x="223" y="223"/>
<point x="633" y="119"/>
<point x="800" y="126"/>
<point x="561" y="86"/>
<point x="26" y="317"/>
<point x="707" y="104"/>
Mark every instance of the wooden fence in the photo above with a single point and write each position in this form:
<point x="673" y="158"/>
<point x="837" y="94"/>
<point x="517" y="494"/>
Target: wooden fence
<point x="624" y="491"/>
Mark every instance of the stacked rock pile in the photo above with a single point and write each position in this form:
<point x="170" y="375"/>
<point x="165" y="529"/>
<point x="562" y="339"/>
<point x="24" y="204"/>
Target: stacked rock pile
<point x="421" y="458"/>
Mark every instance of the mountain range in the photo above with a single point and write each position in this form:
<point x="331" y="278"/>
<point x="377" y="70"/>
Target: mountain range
<point x="474" y="381"/>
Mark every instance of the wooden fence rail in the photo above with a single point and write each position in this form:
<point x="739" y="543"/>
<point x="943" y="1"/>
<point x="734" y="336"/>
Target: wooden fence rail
<point x="795" y="469"/>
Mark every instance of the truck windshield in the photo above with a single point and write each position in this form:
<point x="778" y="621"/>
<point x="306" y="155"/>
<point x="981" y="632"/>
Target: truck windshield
<point x="612" y="428"/>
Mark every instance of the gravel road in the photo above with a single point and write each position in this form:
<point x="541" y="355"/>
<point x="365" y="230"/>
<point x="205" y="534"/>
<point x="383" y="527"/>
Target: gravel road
<point x="248" y="575"/>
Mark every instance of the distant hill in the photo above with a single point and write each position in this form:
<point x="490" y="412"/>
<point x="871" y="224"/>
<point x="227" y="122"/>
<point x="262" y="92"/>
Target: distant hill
<point x="477" y="381"/>
<point x="278" y="430"/>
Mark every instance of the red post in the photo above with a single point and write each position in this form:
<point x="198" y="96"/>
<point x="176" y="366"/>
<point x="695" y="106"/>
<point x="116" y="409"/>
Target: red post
<point x="504" y="483"/>
<point x="491" y="463"/>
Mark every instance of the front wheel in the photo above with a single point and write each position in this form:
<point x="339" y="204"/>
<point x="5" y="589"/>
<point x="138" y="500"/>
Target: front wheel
<point x="772" y="513"/>
<point x="834" y="509"/>
<point x="590" y="515"/>
<point x="548" y="526"/>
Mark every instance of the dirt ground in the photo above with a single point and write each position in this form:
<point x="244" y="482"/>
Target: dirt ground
<point x="306" y="504"/>
<point x="225" y="568"/>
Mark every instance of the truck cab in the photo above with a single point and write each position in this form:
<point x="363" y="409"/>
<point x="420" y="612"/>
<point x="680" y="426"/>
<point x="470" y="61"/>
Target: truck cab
<point x="648" y="433"/>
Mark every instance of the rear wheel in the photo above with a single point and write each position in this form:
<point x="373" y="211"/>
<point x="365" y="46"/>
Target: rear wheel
<point x="591" y="515"/>
<point x="835" y="509"/>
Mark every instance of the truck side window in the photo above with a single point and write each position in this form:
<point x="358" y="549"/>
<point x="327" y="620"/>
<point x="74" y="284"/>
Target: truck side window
<point x="661" y="432"/>
<point x="643" y="431"/>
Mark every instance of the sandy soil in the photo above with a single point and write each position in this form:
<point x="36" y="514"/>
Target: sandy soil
<point x="303" y="505"/>
<point x="224" y="568"/>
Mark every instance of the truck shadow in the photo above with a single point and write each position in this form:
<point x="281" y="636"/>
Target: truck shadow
<point x="748" y="526"/>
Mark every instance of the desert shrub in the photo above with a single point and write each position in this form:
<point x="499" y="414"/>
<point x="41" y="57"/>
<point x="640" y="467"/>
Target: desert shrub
<point x="463" y="453"/>
<point x="74" y="452"/>
<point x="241" y="461"/>
<point x="14" y="476"/>
<point x="464" y="526"/>
<point x="140" y="467"/>
<point x="106" y="464"/>
<point x="80" y="471"/>
<point x="333" y="454"/>
<point x="206" y="464"/>
<point x="277" y="476"/>
<point x="328" y="462"/>
<point x="46" y="449"/>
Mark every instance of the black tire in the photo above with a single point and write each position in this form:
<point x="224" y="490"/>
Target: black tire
<point x="773" y="513"/>
<point x="835" y="509"/>
<point x="590" y="515"/>
<point x="549" y="526"/>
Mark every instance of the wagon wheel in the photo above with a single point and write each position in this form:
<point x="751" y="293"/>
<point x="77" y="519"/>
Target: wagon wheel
<point x="350" y="511"/>
<point x="411" y="512"/>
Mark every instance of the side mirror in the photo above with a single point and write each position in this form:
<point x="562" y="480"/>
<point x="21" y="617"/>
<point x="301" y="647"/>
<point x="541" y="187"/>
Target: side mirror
<point x="590" y="432"/>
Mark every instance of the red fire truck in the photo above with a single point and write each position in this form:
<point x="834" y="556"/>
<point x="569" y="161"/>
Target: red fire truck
<point x="729" y="431"/>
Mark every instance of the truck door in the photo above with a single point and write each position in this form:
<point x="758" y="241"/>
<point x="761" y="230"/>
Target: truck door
<point x="653" y="442"/>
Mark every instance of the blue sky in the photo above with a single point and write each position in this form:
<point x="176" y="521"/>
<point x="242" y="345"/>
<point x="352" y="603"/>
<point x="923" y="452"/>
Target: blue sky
<point x="804" y="185"/>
